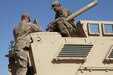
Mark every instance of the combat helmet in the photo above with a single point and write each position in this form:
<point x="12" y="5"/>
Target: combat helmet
<point x="55" y="4"/>
<point x="25" y="14"/>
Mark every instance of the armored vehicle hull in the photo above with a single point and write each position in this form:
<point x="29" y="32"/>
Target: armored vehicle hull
<point x="88" y="54"/>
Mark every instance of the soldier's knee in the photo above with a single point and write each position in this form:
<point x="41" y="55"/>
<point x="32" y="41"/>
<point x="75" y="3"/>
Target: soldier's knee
<point x="61" y="25"/>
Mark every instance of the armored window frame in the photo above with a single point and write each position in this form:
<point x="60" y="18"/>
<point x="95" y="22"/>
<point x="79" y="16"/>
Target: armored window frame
<point x="68" y="59"/>
<point x="104" y="30"/>
<point x="94" y="33"/>
<point x="107" y="57"/>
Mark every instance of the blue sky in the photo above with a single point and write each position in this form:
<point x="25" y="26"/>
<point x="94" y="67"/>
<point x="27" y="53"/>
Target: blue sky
<point x="11" y="10"/>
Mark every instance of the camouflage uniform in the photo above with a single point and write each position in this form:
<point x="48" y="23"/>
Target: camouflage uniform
<point x="64" y="27"/>
<point x="22" y="45"/>
<point x="64" y="13"/>
<point x="60" y="25"/>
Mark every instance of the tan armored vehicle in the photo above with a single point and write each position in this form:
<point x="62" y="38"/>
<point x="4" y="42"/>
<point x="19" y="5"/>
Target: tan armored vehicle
<point x="89" y="52"/>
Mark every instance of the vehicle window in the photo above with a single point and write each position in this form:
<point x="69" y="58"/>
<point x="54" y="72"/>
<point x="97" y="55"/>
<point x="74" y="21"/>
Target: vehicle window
<point x="108" y="28"/>
<point x="93" y="29"/>
<point x="73" y="53"/>
<point x="109" y="56"/>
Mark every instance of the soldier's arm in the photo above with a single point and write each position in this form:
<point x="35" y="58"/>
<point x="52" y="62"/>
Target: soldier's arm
<point x="69" y="13"/>
<point x="36" y="28"/>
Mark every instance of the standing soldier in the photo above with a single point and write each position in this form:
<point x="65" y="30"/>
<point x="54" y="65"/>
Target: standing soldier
<point x="60" y="24"/>
<point x="22" y="42"/>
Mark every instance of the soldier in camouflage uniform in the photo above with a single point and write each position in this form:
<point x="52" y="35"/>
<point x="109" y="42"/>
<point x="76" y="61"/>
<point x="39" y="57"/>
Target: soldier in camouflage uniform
<point x="22" y="43"/>
<point x="60" y="24"/>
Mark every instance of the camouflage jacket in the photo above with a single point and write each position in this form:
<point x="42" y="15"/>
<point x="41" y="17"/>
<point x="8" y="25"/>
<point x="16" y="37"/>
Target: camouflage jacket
<point x="64" y="13"/>
<point x="22" y="36"/>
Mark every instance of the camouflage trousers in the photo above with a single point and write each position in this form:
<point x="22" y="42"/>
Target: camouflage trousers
<point x="21" y="62"/>
<point x="63" y="27"/>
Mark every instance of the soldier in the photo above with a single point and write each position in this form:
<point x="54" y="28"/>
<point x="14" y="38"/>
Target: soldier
<point x="60" y="24"/>
<point x="22" y="42"/>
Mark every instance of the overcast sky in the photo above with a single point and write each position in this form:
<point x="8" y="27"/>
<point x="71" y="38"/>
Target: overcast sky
<point x="11" y="10"/>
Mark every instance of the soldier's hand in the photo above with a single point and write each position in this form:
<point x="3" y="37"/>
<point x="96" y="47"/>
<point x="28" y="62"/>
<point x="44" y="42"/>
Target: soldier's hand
<point x="48" y="27"/>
